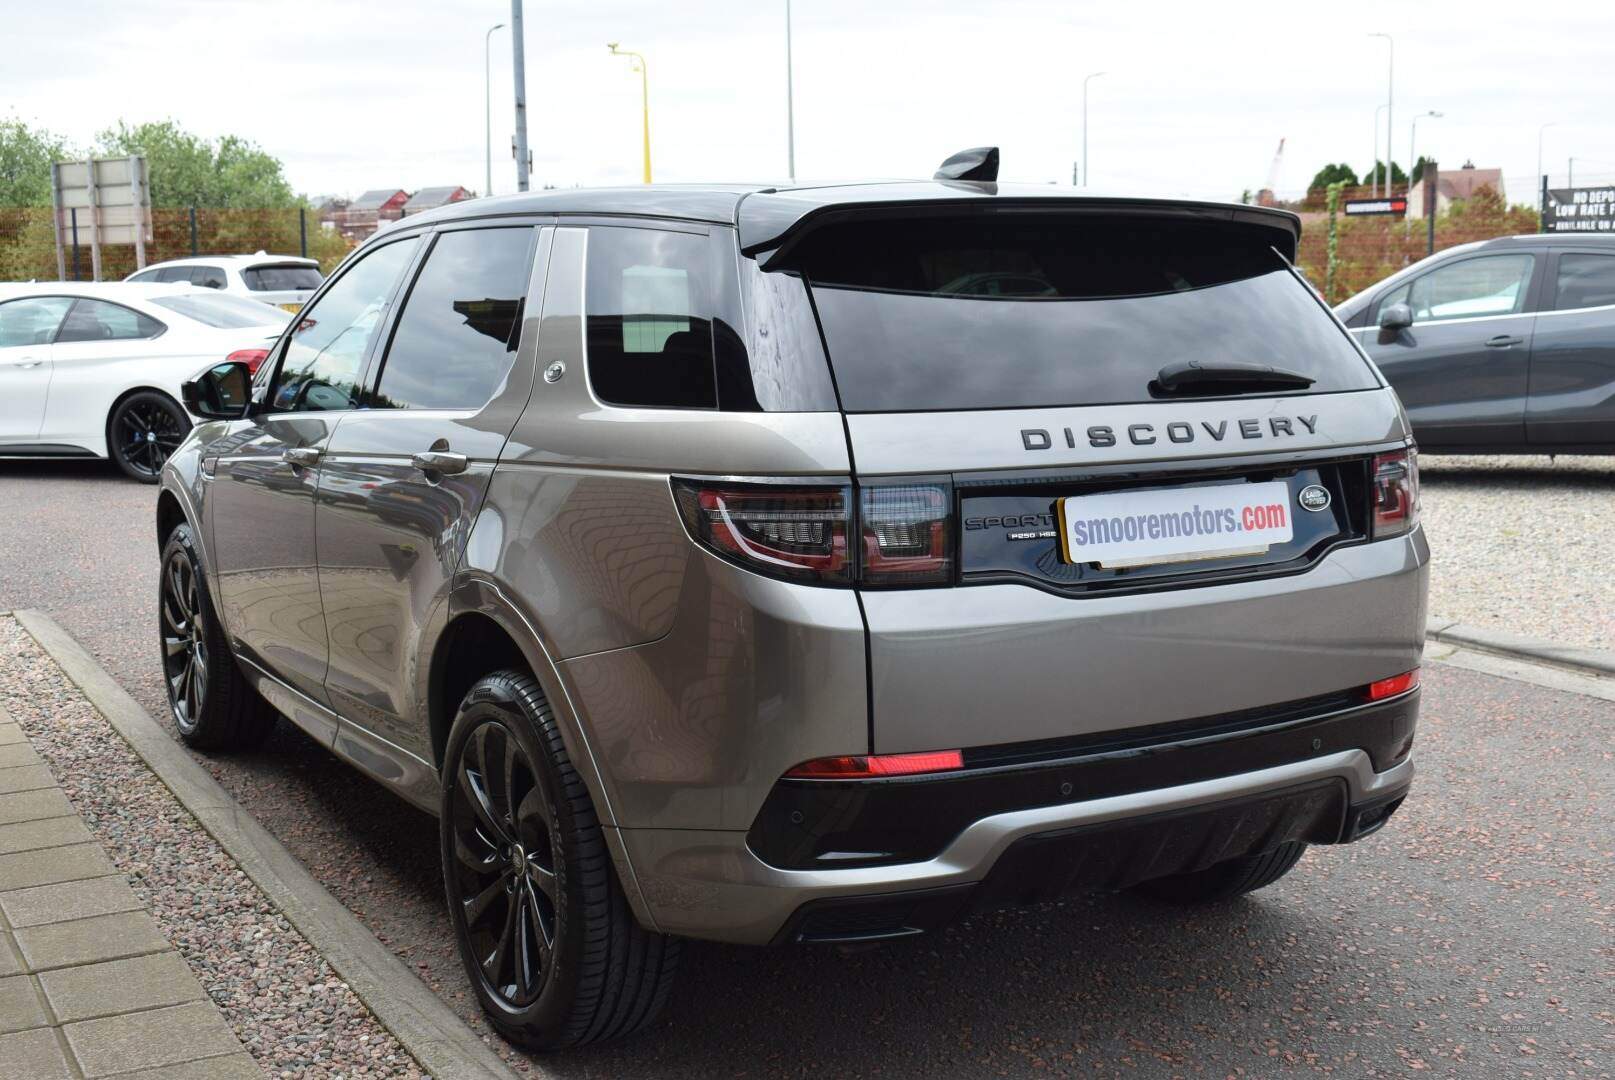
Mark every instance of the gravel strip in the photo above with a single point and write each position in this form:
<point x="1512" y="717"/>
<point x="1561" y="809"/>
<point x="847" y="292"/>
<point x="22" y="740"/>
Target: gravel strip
<point x="290" y="1010"/>
<point x="1523" y="544"/>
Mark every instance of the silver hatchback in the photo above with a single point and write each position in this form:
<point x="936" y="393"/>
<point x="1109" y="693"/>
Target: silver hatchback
<point x="809" y="564"/>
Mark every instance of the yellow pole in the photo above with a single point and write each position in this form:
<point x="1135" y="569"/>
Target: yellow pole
<point x="644" y="92"/>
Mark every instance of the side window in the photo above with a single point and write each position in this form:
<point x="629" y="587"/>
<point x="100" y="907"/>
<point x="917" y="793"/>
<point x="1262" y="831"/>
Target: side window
<point x="456" y="337"/>
<point x="146" y="276"/>
<point x="208" y="277"/>
<point x="1585" y="281"/>
<point x="323" y="357"/>
<point x="1467" y="289"/>
<point x="174" y="273"/>
<point x="97" y="320"/>
<point x="32" y="321"/>
<point x="648" y="307"/>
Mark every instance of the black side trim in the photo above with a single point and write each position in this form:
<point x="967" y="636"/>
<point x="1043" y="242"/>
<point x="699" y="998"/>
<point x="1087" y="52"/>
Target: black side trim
<point x="834" y="824"/>
<point x="22" y="450"/>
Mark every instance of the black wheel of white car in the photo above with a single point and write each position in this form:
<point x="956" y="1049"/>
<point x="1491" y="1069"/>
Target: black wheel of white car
<point x="213" y="706"/>
<point x="143" y="431"/>
<point x="549" y="944"/>
<point x="1226" y="880"/>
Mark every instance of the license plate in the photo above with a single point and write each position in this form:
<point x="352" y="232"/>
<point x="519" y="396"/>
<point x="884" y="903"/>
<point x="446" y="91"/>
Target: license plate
<point x="293" y="308"/>
<point x="1141" y="528"/>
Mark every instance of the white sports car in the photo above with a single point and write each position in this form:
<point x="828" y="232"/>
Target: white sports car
<point x="94" y="370"/>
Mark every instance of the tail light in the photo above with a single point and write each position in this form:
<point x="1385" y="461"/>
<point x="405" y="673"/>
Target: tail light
<point x="907" y="538"/>
<point x="1395" y="493"/>
<point x="782" y="531"/>
<point x="1396" y="684"/>
<point x="863" y="766"/>
<point x="253" y="358"/>
<point x="803" y="532"/>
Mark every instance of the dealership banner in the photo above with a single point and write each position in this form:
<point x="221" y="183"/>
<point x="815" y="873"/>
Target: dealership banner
<point x="1579" y="210"/>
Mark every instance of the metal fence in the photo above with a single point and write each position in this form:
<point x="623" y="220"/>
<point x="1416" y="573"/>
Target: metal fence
<point x="28" y="242"/>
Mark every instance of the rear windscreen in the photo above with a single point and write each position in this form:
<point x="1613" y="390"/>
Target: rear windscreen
<point x="282" y="278"/>
<point x="994" y="311"/>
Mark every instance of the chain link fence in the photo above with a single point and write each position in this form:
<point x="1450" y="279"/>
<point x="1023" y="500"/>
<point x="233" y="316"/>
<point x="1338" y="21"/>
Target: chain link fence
<point x="28" y="243"/>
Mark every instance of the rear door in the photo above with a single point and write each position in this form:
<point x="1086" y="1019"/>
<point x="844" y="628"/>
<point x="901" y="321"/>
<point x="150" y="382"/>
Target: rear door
<point x="403" y="477"/>
<point x="1572" y="402"/>
<point x="1007" y="370"/>
<point x="27" y="327"/>
<point x="1462" y="368"/>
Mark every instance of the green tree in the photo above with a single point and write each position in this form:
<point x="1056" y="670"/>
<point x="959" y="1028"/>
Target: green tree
<point x="25" y="159"/>
<point x="1333" y="174"/>
<point x="1397" y="175"/>
<point x="189" y="170"/>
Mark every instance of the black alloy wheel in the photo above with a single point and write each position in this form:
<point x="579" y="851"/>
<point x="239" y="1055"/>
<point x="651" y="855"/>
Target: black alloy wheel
<point x="185" y="653"/>
<point x="553" y="952"/>
<point x="145" y="429"/>
<point x="213" y="705"/>
<point x="505" y="875"/>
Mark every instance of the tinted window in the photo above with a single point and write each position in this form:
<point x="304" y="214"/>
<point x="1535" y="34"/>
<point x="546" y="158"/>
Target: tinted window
<point x="209" y="277"/>
<point x="323" y="359"/>
<point x="1037" y="310"/>
<point x="278" y="278"/>
<point x="97" y="320"/>
<point x="457" y="335"/>
<point x="146" y="275"/>
<point x="648" y="306"/>
<point x="1466" y="289"/>
<point x="223" y="311"/>
<point x="1585" y="281"/>
<point x="174" y="273"/>
<point x="32" y="321"/>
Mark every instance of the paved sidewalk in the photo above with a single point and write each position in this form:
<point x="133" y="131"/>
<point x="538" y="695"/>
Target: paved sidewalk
<point x="89" y="987"/>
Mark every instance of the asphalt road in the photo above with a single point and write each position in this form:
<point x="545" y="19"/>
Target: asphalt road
<point x="1471" y="938"/>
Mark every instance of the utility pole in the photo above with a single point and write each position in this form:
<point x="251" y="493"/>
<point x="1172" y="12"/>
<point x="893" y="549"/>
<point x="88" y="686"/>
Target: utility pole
<point x="518" y="62"/>
<point x="1085" y="81"/>
<point x="1390" y="111"/>
<point x="790" y="101"/>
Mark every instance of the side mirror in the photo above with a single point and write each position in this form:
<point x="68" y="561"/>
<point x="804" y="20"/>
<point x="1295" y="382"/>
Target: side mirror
<point x="221" y="392"/>
<point x="1395" y="317"/>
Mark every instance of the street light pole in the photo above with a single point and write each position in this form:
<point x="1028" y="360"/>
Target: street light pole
<point x="644" y="91"/>
<point x="487" y="105"/>
<point x="1086" y="80"/>
<point x="790" y="101"/>
<point x="1375" y="168"/>
<point x="1413" y="137"/>
<point x="1539" y="133"/>
<point x="1390" y="99"/>
<point x="519" y="75"/>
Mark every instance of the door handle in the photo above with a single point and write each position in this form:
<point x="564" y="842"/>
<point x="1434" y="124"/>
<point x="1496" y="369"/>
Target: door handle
<point x="1503" y="341"/>
<point x="27" y="362"/>
<point x="301" y="457"/>
<point x="440" y="461"/>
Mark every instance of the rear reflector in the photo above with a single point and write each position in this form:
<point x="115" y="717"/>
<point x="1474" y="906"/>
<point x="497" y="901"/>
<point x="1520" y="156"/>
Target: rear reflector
<point x="1396" y="684"/>
<point x="855" y="766"/>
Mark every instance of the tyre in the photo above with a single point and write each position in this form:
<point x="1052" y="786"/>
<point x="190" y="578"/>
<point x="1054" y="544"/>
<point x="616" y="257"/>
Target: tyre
<point x="211" y="702"/>
<point x="1225" y="879"/>
<point x="548" y="941"/>
<point x="143" y="430"/>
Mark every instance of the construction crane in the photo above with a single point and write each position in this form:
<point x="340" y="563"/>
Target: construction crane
<point x="1268" y="195"/>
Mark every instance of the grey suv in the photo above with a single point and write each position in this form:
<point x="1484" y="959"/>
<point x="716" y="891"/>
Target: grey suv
<point x="808" y="565"/>
<point x="1502" y="346"/>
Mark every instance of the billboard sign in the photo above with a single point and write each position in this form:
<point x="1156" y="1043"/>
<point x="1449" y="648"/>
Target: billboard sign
<point x="104" y="200"/>
<point x="1579" y="210"/>
<point x="1394" y="204"/>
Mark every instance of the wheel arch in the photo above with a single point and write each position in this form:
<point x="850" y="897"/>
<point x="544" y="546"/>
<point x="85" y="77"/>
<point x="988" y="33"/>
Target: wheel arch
<point x="484" y="632"/>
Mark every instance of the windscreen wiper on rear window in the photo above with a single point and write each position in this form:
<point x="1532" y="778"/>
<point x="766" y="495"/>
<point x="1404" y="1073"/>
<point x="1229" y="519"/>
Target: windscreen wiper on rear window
<point x="1192" y="378"/>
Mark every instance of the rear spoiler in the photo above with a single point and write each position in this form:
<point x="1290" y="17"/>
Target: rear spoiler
<point x="770" y="223"/>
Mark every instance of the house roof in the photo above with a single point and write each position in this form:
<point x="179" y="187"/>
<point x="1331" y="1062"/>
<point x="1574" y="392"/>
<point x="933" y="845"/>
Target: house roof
<point x="428" y="197"/>
<point x="374" y="199"/>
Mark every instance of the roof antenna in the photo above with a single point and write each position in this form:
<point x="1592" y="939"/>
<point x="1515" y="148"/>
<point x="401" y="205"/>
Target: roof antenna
<point x="977" y="163"/>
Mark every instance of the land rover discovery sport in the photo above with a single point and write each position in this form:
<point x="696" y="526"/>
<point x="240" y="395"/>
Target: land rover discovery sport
<point x="812" y="564"/>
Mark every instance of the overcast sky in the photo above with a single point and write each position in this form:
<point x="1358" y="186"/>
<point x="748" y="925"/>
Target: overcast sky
<point x="1195" y="98"/>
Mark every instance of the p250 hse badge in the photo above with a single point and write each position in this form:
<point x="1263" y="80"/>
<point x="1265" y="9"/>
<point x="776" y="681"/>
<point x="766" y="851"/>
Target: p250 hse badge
<point x="1178" y="431"/>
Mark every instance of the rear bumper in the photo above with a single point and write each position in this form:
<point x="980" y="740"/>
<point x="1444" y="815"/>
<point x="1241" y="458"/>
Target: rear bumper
<point x="713" y="885"/>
